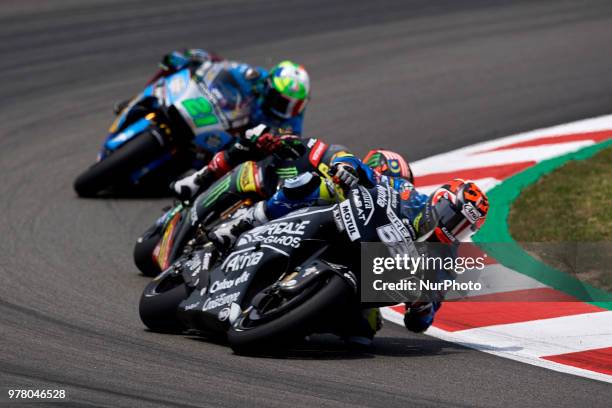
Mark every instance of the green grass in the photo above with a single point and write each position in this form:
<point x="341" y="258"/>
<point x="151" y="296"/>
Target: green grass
<point x="565" y="219"/>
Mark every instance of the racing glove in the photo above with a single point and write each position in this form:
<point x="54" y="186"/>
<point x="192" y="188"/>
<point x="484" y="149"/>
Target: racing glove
<point x="285" y="146"/>
<point x="345" y="175"/>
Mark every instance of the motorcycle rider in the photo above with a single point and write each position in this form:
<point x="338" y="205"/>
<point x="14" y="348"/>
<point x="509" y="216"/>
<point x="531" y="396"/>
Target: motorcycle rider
<point x="260" y="142"/>
<point x="279" y="95"/>
<point x="309" y="188"/>
<point x="301" y="155"/>
<point x="440" y="217"/>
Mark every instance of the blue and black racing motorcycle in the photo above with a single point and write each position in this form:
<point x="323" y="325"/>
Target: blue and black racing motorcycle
<point x="177" y="123"/>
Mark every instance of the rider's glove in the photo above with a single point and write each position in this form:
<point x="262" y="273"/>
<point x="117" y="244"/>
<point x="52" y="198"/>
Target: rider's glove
<point x="263" y="139"/>
<point x="419" y="316"/>
<point x="345" y="175"/>
<point x="286" y="146"/>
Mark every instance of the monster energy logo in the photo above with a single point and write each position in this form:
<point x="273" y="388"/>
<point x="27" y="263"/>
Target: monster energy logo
<point x="216" y="191"/>
<point x="287" y="172"/>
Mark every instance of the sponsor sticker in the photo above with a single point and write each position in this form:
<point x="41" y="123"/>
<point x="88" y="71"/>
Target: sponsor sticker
<point x="243" y="260"/>
<point x="219" y="301"/>
<point x="470" y="212"/>
<point x="317" y="153"/>
<point x="349" y="220"/>
<point x="246" y="179"/>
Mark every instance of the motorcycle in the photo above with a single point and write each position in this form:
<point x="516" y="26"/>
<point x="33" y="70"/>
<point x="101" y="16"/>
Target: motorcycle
<point x="286" y="279"/>
<point x="187" y="223"/>
<point x="175" y="124"/>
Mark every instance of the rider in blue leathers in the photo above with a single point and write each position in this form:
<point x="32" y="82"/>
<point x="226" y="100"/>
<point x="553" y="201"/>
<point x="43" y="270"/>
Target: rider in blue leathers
<point x="307" y="189"/>
<point x="277" y="98"/>
<point x="279" y="95"/>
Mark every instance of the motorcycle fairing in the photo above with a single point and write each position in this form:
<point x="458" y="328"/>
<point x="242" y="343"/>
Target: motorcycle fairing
<point x="254" y="260"/>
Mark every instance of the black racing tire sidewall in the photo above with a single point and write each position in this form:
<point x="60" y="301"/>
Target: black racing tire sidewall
<point x="292" y="326"/>
<point x="116" y="168"/>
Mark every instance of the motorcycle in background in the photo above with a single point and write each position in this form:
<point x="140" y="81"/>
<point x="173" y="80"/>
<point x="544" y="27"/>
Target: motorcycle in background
<point x="175" y="124"/>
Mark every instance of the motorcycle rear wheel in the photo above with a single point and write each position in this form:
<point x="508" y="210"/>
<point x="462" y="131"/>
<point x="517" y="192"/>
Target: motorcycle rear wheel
<point x="143" y="253"/>
<point x="292" y="325"/>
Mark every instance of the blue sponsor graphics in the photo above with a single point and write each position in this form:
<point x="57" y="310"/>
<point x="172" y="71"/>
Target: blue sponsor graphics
<point x="176" y="85"/>
<point x="115" y="141"/>
<point x="137" y="175"/>
<point x="213" y="140"/>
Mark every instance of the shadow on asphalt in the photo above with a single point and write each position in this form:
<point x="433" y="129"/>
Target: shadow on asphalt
<point x="329" y="347"/>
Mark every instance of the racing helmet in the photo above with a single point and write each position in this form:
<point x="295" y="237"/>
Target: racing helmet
<point x="453" y="212"/>
<point x="286" y="90"/>
<point x="389" y="163"/>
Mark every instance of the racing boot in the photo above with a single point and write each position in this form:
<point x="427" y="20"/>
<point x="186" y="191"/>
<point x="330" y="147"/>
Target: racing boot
<point x="225" y="235"/>
<point x="188" y="187"/>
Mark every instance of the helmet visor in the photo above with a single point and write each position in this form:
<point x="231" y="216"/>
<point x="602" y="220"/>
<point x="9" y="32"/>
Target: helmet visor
<point x="281" y="105"/>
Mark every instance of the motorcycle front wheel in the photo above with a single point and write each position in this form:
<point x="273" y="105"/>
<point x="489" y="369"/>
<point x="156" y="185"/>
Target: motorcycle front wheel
<point x="117" y="168"/>
<point x="252" y="332"/>
<point x="159" y="303"/>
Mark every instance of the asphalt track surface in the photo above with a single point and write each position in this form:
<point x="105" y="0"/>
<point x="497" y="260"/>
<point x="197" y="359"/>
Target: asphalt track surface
<point x="421" y="77"/>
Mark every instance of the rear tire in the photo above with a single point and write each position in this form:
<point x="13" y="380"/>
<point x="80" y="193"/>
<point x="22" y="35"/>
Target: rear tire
<point x="117" y="167"/>
<point x="143" y="254"/>
<point x="159" y="304"/>
<point x="293" y="325"/>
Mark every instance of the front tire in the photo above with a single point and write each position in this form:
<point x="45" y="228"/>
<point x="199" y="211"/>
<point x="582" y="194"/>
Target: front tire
<point x="117" y="167"/>
<point x="292" y="325"/>
<point x="159" y="304"/>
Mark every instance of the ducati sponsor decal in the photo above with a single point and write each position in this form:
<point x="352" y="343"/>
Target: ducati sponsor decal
<point x="225" y="284"/>
<point x="349" y="220"/>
